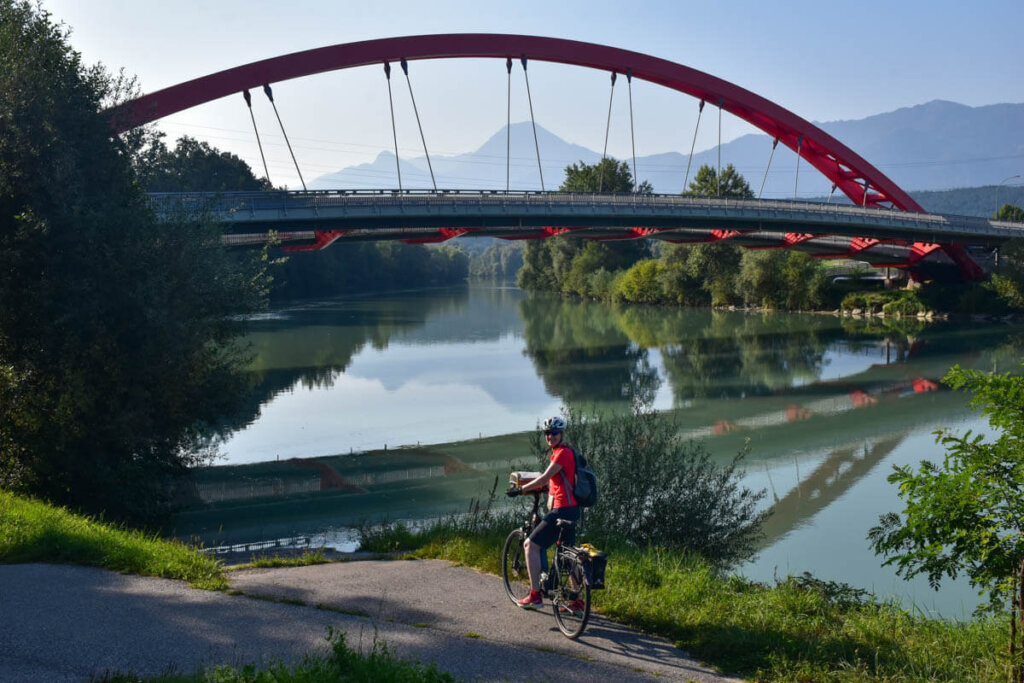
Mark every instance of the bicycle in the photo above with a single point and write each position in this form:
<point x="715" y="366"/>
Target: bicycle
<point x="567" y="583"/>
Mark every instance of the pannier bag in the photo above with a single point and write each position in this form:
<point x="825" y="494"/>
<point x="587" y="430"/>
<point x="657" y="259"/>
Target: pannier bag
<point x="594" y="564"/>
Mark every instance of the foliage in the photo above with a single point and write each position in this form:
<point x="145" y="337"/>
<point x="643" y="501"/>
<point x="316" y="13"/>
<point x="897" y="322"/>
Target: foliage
<point x="804" y="281"/>
<point x="550" y="264"/>
<point x="761" y="280"/>
<point x="1009" y="212"/>
<point x="706" y="183"/>
<point x="116" y="329"/>
<point x="964" y="516"/>
<point x="889" y="301"/>
<point x="368" y="266"/>
<point x="660" y="491"/>
<point x="499" y="261"/>
<point x="194" y="166"/>
<point x="607" y="175"/>
<point x="714" y="273"/>
<point x="641" y="283"/>
<point x="701" y="274"/>
<point x="1008" y="279"/>
<point x="33" y="531"/>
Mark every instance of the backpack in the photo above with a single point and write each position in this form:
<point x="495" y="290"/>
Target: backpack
<point x="585" y="490"/>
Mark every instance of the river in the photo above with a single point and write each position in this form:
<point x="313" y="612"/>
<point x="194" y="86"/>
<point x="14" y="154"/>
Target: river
<point x="407" y="405"/>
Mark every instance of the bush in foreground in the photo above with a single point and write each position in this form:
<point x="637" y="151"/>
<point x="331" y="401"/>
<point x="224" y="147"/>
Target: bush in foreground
<point x="658" y="490"/>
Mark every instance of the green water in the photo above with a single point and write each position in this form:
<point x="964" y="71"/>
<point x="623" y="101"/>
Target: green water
<point x="353" y="397"/>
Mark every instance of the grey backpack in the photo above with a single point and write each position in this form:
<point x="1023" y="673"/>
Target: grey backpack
<point x="585" y="490"/>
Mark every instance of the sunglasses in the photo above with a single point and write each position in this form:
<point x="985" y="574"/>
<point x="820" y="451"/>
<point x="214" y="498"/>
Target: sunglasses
<point x="551" y="432"/>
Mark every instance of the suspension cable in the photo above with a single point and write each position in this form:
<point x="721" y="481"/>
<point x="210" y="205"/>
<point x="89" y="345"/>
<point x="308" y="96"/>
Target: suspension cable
<point x="248" y="103"/>
<point x="867" y="184"/>
<point x="508" y="124"/>
<point x="718" y="176"/>
<point x="632" y="139"/>
<point x="775" y="143"/>
<point x="693" y="144"/>
<point x="533" y="122"/>
<point x="607" y="128"/>
<point x="270" y="96"/>
<point x="394" y="131"/>
<point x="799" y="146"/>
<point x="831" y="192"/>
<point x="405" y="70"/>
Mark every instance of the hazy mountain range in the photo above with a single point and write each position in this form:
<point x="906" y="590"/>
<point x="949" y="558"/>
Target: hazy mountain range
<point x="934" y="146"/>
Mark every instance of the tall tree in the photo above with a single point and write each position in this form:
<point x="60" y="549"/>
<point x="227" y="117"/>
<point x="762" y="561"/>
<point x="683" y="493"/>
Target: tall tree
<point x="1009" y="212"/>
<point x="965" y="514"/>
<point x="116" y="329"/>
<point x="194" y="166"/>
<point x="707" y="183"/>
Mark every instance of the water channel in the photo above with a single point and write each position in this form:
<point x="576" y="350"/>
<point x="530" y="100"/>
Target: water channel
<point x="407" y="405"/>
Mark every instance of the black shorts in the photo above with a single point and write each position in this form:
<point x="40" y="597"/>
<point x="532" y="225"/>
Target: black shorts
<point x="546" y="532"/>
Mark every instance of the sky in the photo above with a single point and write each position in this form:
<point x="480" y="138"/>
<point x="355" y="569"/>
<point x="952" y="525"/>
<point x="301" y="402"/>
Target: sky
<point x="824" y="61"/>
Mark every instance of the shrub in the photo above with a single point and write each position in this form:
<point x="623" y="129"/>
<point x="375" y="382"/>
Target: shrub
<point x="657" y="490"/>
<point x="641" y="283"/>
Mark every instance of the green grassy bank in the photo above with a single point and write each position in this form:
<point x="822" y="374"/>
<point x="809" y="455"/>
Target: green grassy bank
<point x="32" y="531"/>
<point x="800" y="629"/>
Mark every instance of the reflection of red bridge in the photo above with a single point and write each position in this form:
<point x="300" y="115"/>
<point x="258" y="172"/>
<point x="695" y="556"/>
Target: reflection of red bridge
<point x="338" y="218"/>
<point x="855" y="398"/>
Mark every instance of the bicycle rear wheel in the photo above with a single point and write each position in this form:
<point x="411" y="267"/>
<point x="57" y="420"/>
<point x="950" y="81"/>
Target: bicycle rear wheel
<point x="571" y="598"/>
<point x="513" y="567"/>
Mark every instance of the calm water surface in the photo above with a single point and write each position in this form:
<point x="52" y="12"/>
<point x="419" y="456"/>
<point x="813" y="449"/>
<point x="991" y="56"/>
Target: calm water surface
<point x="829" y="406"/>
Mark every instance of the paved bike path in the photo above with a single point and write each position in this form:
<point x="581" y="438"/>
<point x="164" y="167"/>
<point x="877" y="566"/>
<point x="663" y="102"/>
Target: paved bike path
<point x="65" y="623"/>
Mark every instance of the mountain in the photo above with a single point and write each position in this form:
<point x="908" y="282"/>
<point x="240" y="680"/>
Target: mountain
<point x="483" y="169"/>
<point x="934" y="146"/>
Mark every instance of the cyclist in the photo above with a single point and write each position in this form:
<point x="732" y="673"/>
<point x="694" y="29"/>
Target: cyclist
<point x="562" y="504"/>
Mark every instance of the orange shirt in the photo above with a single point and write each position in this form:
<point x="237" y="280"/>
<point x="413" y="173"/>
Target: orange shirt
<point x="561" y="497"/>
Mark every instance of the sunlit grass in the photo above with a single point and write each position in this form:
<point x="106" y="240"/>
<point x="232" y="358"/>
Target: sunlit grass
<point x="307" y="558"/>
<point x="33" y="531"/>
<point x="799" y="629"/>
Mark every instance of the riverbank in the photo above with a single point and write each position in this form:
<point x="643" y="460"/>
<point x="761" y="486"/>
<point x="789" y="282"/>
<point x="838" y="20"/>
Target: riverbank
<point x="797" y="629"/>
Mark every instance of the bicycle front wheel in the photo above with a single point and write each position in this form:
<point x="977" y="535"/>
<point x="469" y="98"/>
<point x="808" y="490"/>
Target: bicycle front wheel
<point x="513" y="567"/>
<point x="571" y="601"/>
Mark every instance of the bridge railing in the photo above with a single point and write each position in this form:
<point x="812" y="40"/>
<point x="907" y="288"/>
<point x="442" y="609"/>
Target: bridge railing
<point x="240" y="203"/>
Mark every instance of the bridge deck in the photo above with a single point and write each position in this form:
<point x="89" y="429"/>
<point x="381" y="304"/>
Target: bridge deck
<point x="387" y="214"/>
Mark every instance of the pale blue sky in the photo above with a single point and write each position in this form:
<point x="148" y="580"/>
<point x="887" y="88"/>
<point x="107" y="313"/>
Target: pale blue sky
<point x="823" y="60"/>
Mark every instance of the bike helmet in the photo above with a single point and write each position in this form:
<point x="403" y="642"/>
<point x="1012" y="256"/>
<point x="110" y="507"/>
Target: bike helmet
<point x="554" y="423"/>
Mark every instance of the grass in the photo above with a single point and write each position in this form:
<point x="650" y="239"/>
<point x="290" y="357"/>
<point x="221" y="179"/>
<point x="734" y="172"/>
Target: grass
<point x="800" y="629"/>
<point x="343" y="664"/>
<point x="307" y="558"/>
<point x="33" y="531"/>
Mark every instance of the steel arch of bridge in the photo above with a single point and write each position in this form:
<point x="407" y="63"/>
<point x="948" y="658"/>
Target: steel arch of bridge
<point x="855" y="177"/>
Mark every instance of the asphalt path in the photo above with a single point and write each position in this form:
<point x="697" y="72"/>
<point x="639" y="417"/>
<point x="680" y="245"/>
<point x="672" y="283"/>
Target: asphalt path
<point x="64" y="623"/>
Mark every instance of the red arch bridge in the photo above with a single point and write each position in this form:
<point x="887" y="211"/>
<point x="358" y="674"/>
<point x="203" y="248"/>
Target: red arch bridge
<point x="885" y="226"/>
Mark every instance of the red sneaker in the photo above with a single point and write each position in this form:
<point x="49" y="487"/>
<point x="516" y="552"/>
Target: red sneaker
<point x="576" y="607"/>
<point x="531" y="601"/>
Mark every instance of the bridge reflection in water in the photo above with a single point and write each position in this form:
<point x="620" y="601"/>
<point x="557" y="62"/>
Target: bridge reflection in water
<point x="825" y="402"/>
